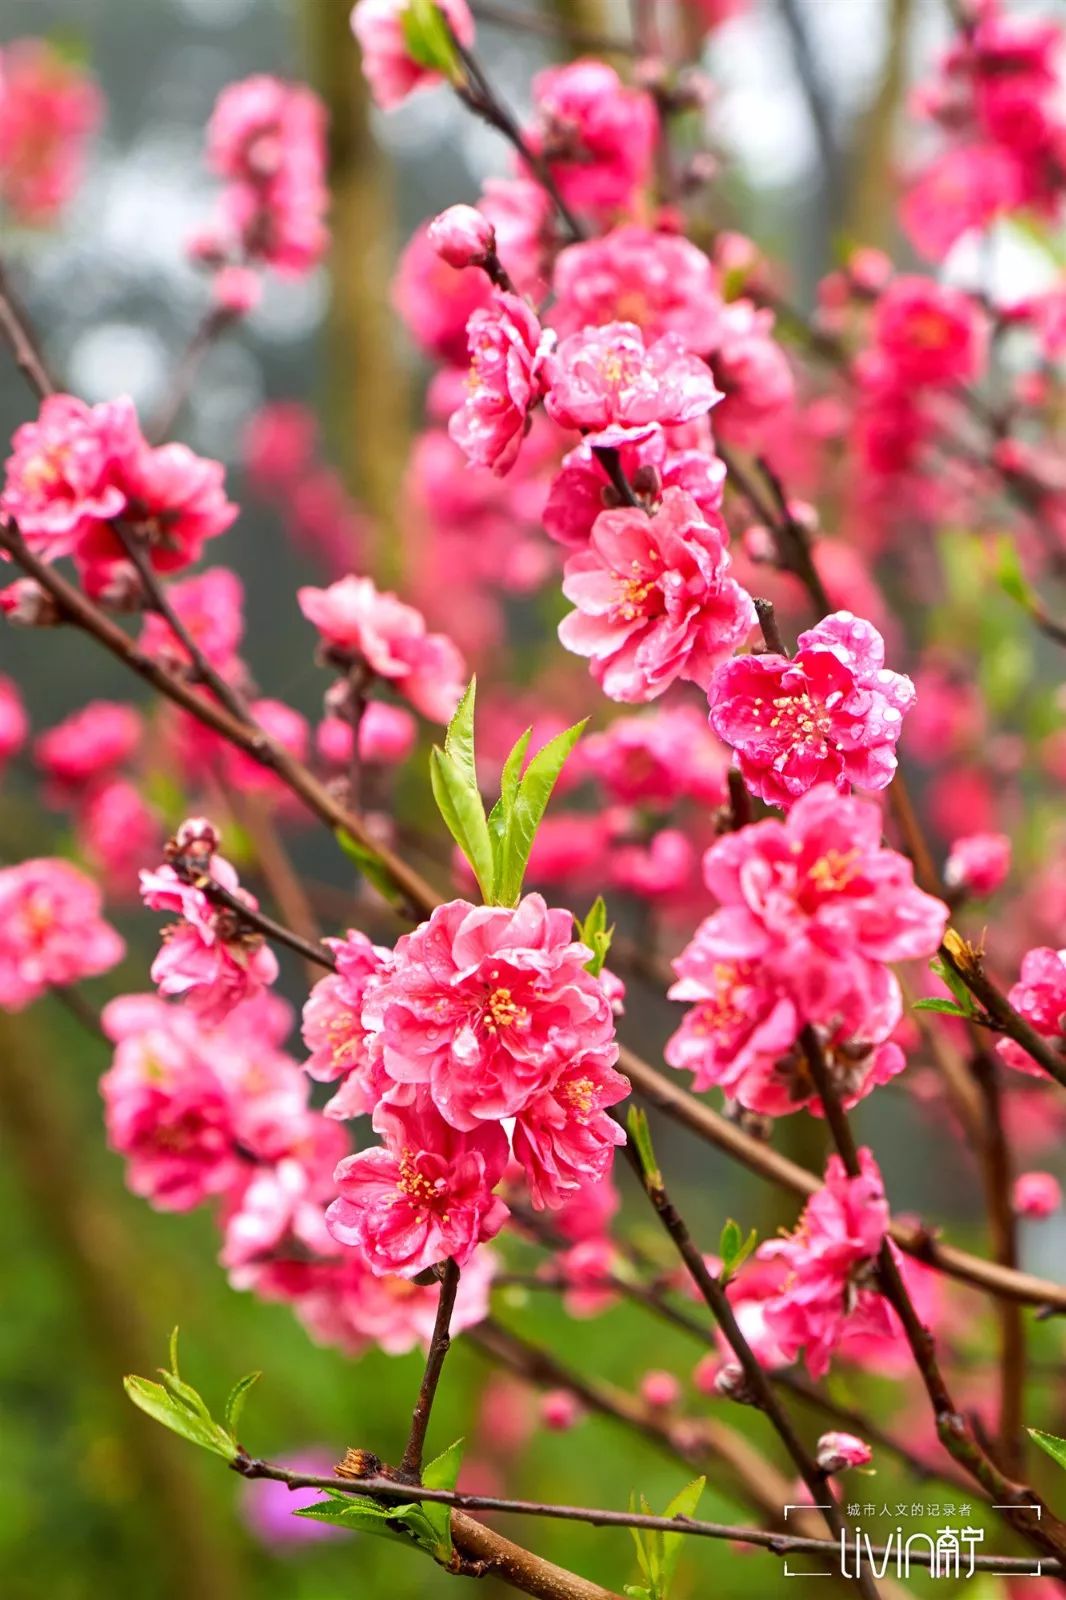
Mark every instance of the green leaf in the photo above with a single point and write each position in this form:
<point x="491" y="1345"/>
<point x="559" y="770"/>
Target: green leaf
<point x="1009" y="574"/>
<point x="640" y="1133"/>
<point x="683" y="1504"/>
<point x="527" y="808"/>
<point x="371" y="866"/>
<point x="357" y="1514"/>
<point x="734" y="1249"/>
<point x="951" y="980"/>
<point x="428" y="39"/>
<point x="459" y="739"/>
<point x="174" y="1352"/>
<point x="946" y="1008"/>
<point x="597" y="935"/>
<point x="155" y="1400"/>
<point x="237" y="1396"/>
<point x="442" y="1473"/>
<point x="464" y="816"/>
<point x="1050" y="1443"/>
<point x="185" y="1395"/>
<point x="501" y="811"/>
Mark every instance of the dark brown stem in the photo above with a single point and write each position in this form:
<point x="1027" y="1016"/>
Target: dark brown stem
<point x="968" y="964"/>
<point x="758" y="1384"/>
<point x="16" y="329"/>
<point x="313" y="953"/>
<point x="611" y="463"/>
<point x="158" y="600"/>
<point x="207" y="333"/>
<point x="997" y="1171"/>
<point x="439" y="1344"/>
<point x="764" y="610"/>
<point x="1021" y="1506"/>
<point x="75" y="607"/>
<point x="479" y="95"/>
<point x="768" y="1163"/>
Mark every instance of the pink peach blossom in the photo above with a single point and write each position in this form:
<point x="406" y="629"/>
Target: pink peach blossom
<point x="838" y="1238"/>
<point x="832" y="713"/>
<point x="659" y="281"/>
<point x="49" y="107"/>
<point x="654" y="600"/>
<point x="51" y="931"/>
<point x="607" y="383"/>
<point x="508" y="350"/>
<point x="90" y="744"/>
<point x="422" y="1197"/>
<point x="333" y="1029"/>
<point x="597" y="135"/>
<point x="978" y="863"/>
<point x="358" y="621"/>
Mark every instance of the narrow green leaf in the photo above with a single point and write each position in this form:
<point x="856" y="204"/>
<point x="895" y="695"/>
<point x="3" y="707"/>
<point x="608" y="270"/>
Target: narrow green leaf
<point x="640" y="1133"/>
<point x="174" y="1352"/>
<point x="528" y="808"/>
<point x="734" y="1249"/>
<point x="153" y="1399"/>
<point x="183" y="1394"/>
<point x="595" y="933"/>
<point x="443" y="1471"/>
<point x="464" y="817"/>
<point x="947" y="1008"/>
<point x="1050" y="1443"/>
<point x="683" y="1504"/>
<point x="950" y="978"/>
<point x="237" y="1396"/>
<point x="459" y="739"/>
<point x="511" y="775"/>
<point x="358" y="1515"/>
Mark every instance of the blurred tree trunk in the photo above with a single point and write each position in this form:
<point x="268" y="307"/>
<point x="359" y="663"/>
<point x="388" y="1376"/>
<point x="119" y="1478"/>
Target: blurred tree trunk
<point x="367" y="406"/>
<point x="42" y="1153"/>
<point x="869" y="217"/>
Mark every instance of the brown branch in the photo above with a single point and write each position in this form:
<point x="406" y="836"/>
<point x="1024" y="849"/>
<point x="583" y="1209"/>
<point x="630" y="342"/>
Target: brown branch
<point x="781" y="1544"/>
<point x="1021" y="1506"/>
<point x="439" y="1344"/>
<point x="249" y="737"/>
<point x="768" y="1163"/>
<point x="967" y="963"/>
<point x="16" y="329"/>
<point x="758" y="1384"/>
<point x="208" y="331"/>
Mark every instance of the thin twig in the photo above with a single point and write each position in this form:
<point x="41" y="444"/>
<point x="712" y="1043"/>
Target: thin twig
<point x="758" y="1384"/>
<point x="439" y="1344"/>
<point x="208" y="331"/>
<point x="16" y="327"/>
<point x="1021" y="1506"/>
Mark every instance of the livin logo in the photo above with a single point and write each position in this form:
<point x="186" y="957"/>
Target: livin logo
<point x="949" y="1553"/>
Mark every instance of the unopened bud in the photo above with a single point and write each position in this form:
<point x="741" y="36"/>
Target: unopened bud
<point x="839" y="1450"/>
<point x="462" y="237"/>
<point x="26" y="603"/>
<point x="730" y="1381"/>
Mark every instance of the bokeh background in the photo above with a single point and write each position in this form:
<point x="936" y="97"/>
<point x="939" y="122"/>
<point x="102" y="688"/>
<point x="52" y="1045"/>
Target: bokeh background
<point x="95" y="1500"/>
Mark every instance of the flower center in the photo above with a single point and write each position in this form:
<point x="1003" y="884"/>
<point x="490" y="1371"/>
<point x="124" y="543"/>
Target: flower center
<point x="834" y="871"/>
<point x="796" y="717"/>
<point x="720" y="1012"/>
<point x="580" y="1095"/>
<point x="414" y="1183"/>
<point x="502" y="1011"/>
<point x="633" y="592"/>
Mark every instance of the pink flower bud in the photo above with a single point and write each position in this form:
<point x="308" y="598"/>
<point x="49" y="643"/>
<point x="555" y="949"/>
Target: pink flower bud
<point x="979" y="863"/>
<point x="26" y="603"/>
<point x="838" y="1450"/>
<point x="237" y="290"/>
<point x="196" y="834"/>
<point x="462" y="237"/>
<point x="660" y="1390"/>
<point x="1036" y="1195"/>
<point x="559" y="1410"/>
